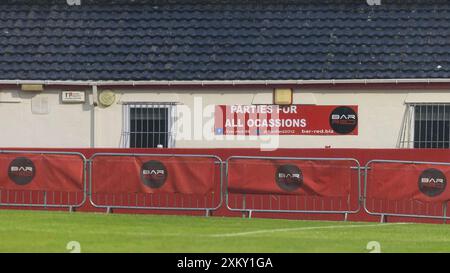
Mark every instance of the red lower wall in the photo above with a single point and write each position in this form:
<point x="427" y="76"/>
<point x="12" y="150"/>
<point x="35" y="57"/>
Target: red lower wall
<point x="362" y="155"/>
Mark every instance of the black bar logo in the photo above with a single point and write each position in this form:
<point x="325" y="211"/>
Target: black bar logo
<point x="343" y="120"/>
<point x="21" y="171"/>
<point x="153" y="174"/>
<point x="289" y="177"/>
<point x="432" y="182"/>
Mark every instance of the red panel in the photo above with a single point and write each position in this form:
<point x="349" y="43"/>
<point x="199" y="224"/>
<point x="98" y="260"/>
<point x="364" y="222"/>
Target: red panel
<point x="286" y="120"/>
<point x="362" y="155"/>
<point x="326" y="178"/>
<point x="128" y="174"/>
<point x="400" y="181"/>
<point x="49" y="172"/>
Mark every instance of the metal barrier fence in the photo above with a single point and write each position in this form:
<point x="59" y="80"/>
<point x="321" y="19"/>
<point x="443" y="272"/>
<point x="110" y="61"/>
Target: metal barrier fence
<point x="50" y="179"/>
<point x="44" y="179"/>
<point x="248" y="199"/>
<point x="413" y="189"/>
<point x="191" y="181"/>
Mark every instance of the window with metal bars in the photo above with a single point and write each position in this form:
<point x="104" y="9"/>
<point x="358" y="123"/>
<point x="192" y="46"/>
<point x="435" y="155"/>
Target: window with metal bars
<point x="426" y="126"/>
<point x="148" y="125"/>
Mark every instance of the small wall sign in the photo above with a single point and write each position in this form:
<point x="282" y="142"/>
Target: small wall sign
<point x="73" y="97"/>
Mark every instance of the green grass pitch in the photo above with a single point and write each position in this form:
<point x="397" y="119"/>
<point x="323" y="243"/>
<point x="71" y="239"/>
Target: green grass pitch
<point x="41" y="231"/>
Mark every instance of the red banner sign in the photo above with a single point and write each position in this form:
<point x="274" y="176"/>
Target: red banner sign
<point x="286" y="120"/>
<point x="41" y="172"/>
<point x="290" y="177"/>
<point x="128" y="174"/>
<point x="400" y="181"/>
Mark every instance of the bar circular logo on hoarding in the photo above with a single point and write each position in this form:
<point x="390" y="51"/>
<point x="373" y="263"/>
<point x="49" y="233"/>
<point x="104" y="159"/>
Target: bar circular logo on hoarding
<point x="153" y="174"/>
<point x="343" y="120"/>
<point x="432" y="182"/>
<point x="21" y="171"/>
<point x="289" y="177"/>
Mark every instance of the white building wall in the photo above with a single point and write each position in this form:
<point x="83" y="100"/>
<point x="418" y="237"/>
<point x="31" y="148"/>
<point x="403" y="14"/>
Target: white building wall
<point x="82" y="125"/>
<point x="65" y="125"/>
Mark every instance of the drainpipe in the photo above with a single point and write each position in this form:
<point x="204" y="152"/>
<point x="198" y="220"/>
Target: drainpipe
<point x="93" y="116"/>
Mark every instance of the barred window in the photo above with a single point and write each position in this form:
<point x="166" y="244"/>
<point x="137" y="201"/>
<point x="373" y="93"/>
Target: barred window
<point x="148" y="125"/>
<point x="426" y="126"/>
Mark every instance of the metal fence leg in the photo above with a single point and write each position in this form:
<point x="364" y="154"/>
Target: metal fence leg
<point x="109" y="210"/>
<point x="345" y="217"/>
<point x="244" y="212"/>
<point x="383" y="218"/>
<point x="208" y="213"/>
<point x="247" y="214"/>
<point x="71" y="209"/>
<point x="45" y="199"/>
<point x="444" y="209"/>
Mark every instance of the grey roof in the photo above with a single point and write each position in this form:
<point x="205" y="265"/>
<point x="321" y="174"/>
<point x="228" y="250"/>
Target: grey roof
<point x="224" y="39"/>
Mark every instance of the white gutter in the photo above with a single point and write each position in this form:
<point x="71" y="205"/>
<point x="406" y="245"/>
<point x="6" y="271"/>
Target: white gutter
<point x="225" y="82"/>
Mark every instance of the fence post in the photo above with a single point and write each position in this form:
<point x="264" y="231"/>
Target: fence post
<point x="444" y="209"/>
<point x="45" y="199"/>
<point x="243" y="205"/>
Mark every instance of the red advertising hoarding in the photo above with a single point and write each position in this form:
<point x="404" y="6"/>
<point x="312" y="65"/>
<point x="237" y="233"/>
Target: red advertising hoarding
<point x="400" y="181"/>
<point x="150" y="174"/>
<point x="328" y="178"/>
<point x="286" y="120"/>
<point x="41" y="172"/>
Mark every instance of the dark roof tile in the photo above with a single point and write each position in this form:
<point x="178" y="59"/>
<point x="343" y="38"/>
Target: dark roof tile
<point x="223" y="39"/>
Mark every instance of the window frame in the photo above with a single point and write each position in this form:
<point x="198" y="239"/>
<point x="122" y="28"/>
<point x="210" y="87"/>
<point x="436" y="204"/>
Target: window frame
<point x="126" y="121"/>
<point x="407" y="138"/>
